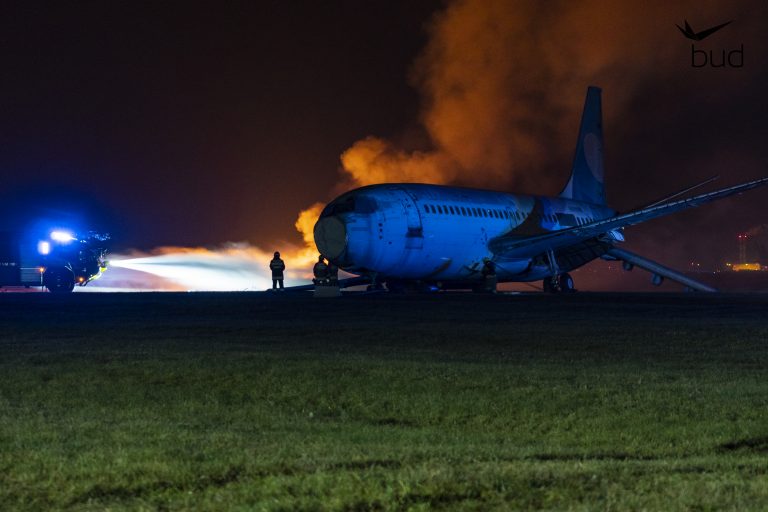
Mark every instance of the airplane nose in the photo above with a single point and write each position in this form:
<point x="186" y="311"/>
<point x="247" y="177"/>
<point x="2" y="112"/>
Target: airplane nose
<point x="331" y="237"/>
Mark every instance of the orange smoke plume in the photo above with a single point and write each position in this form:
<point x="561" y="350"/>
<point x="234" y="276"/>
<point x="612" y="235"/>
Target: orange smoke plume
<point x="502" y="86"/>
<point x="374" y="160"/>
<point x="305" y="225"/>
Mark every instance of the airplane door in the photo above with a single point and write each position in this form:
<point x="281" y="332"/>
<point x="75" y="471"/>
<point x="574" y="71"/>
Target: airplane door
<point x="414" y="239"/>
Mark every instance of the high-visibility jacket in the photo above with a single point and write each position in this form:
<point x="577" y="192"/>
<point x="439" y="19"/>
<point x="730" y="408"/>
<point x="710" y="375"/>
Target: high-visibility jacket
<point x="277" y="266"/>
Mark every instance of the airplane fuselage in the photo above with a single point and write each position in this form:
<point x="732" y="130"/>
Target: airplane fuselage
<point x="434" y="233"/>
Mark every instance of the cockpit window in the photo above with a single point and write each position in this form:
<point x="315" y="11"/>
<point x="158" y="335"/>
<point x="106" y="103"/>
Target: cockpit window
<point x="365" y="204"/>
<point x="357" y="204"/>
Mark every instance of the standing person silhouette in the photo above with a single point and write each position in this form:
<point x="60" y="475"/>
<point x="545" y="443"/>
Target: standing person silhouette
<point x="277" y="266"/>
<point x="321" y="272"/>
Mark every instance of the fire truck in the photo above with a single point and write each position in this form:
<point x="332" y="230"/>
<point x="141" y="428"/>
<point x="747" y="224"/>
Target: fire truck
<point x="58" y="261"/>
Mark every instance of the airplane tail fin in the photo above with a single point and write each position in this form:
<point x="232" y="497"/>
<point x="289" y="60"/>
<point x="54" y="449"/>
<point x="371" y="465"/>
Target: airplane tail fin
<point x="586" y="183"/>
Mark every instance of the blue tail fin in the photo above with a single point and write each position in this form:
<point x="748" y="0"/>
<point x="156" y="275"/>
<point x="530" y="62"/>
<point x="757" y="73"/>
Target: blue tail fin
<point x="586" y="183"/>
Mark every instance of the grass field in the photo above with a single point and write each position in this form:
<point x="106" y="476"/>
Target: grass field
<point x="452" y="401"/>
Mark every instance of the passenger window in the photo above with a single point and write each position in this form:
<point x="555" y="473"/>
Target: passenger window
<point x="452" y="211"/>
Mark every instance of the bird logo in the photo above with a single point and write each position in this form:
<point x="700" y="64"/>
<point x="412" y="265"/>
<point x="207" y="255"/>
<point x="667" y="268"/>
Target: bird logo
<point x="698" y="36"/>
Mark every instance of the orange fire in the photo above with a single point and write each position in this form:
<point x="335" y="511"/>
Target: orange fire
<point x="305" y="224"/>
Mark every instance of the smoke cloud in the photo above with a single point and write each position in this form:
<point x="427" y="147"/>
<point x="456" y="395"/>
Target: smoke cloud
<point x="502" y="84"/>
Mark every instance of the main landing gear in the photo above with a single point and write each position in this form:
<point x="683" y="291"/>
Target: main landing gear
<point x="559" y="283"/>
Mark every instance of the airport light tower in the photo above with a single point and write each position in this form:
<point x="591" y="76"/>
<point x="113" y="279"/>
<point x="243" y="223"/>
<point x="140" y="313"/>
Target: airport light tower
<point x="742" y="248"/>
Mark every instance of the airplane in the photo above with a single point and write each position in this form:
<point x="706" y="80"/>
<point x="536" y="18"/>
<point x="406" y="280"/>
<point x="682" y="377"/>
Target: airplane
<point x="422" y="236"/>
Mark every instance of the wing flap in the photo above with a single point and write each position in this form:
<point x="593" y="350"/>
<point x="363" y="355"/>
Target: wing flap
<point x="659" y="269"/>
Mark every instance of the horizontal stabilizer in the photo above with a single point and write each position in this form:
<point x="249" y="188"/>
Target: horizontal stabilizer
<point x="658" y="269"/>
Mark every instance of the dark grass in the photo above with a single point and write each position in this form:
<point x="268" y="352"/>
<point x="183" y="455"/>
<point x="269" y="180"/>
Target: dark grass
<point x="254" y="401"/>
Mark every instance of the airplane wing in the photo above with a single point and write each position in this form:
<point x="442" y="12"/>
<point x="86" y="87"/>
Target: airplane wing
<point x="507" y="246"/>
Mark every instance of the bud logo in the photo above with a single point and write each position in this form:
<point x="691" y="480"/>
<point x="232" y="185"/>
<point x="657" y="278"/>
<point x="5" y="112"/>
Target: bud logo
<point x="698" y="36"/>
<point x="712" y="58"/>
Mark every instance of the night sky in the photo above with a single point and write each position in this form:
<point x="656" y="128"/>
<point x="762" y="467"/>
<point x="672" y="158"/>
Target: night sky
<point x="193" y="124"/>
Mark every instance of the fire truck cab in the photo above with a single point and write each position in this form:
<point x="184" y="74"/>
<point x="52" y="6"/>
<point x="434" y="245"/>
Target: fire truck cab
<point x="58" y="261"/>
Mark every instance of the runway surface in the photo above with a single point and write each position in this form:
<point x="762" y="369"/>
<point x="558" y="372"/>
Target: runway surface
<point x="16" y="310"/>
